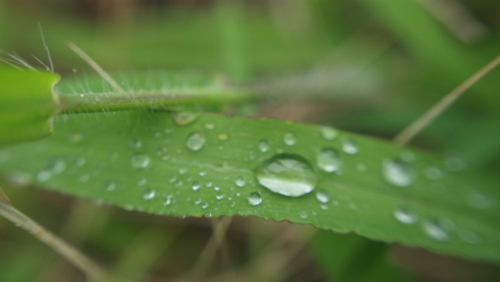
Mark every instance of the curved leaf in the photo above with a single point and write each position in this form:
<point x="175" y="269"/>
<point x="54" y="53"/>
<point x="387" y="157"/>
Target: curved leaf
<point x="206" y="164"/>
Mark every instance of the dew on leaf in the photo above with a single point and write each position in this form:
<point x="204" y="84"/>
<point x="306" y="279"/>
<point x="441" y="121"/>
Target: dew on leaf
<point x="57" y="165"/>
<point x="43" y="175"/>
<point x="322" y="196"/>
<point x="142" y="181"/>
<point x="350" y="147"/>
<point x="184" y="118"/>
<point x="303" y="215"/>
<point x="222" y="136"/>
<point x="204" y="205"/>
<point x="148" y="194"/>
<point x="219" y="196"/>
<point x="263" y="146"/>
<point x="328" y="160"/>
<point x="287" y="174"/>
<point x="397" y="173"/>
<point x="469" y="237"/>
<point x="436" y="230"/>
<point x="478" y="200"/>
<point x="139" y="161"/>
<point x="407" y="156"/>
<point x="405" y="215"/>
<point x="289" y="139"/>
<point x="110" y="186"/>
<point x="254" y="199"/>
<point x="196" y="186"/>
<point x="239" y="181"/>
<point x="195" y="141"/>
<point x="329" y="133"/>
<point x="84" y="178"/>
<point x="433" y="173"/>
<point x="80" y="161"/>
<point x="136" y="143"/>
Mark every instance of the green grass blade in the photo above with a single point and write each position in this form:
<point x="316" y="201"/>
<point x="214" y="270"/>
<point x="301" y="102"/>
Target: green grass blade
<point x="27" y="104"/>
<point x="206" y="165"/>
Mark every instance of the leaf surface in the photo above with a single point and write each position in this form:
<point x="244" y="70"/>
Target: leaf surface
<point x="206" y="165"/>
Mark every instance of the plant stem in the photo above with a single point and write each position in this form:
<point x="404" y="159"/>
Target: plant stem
<point x="79" y="260"/>
<point x="418" y="125"/>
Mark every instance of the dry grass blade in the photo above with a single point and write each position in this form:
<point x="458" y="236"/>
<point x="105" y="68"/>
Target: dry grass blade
<point x="418" y="125"/>
<point x="79" y="260"/>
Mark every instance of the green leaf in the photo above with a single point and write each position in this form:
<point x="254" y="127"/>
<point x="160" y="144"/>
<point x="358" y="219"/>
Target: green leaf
<point x="206" y="164"/>
<point x="27" y="104"/>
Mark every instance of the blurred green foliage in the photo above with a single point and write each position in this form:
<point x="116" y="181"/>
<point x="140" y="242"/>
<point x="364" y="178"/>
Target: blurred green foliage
<point x="365" y="66"/>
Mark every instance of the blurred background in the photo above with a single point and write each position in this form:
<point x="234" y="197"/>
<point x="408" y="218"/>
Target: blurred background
<point x="367" y="66"/>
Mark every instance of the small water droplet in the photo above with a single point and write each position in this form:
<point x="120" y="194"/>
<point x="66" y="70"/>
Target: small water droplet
<point x="209" y="126"/>
<point x="204" y="205"/>
<point x="43" y="175"/>
<point x="322" y="196"/>
<point x="436" y="230"/>
<point x="405" y="215"/>
<point x="469" y="236"/>
<point x="303" y="215"/>
<point x="84" y="178"/>
<point x="254" y="199"/>
<point x="478" y="200"/>
<point x="240" y="181"/>
<point x="149" y="194"/>
<point x="287" y="174"/>
<point x="56" y="166"/>
<point x="263" y="146"/>
<point x="184" y="118"/>
<point x="289" y="139"/>
<point x="433" y="173"/>
<point x="172" y="179"/>
<point x="139" y="161"/>
<point x="136" y="143"/>
<point x="202" y="173"/>
<point x="323" y="207"/>
<point x="329" y="133"/>
<point x="75" y="138"/>
<point x="407" y="156"/>
<point x="350" y="147"/>
<point x="80" y="161"/>
<point x="142" y="181"/>
<point x="397" y="173"/>
<point x="195" y="141"/>
<point x="197" y="201"/>
<point x="209" y="184"/>
<point x="455" y="164"/>
<point x="216" y="188"/>
<point x="219" y="196"/>
<point x="182" y="170"/>
<point x="196" y="186"/>
<point x="110" y="186"/>
<point x="328" y="160"/>
<point x="168" y="200"/>
<point x="222" y="136"/>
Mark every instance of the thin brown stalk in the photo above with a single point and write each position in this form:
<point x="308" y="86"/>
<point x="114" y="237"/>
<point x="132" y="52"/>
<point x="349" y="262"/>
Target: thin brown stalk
<point x="418" y="125"/>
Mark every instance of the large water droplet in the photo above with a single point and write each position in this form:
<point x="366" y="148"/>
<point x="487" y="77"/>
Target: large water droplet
<point x="329" y="133"/>
<point x="397" y="173"/>
<point x="328" y="160"/>
<point x="436" y="230"/>
<point x="149" y="194"/>
<point x="139" y="161"/>
<point x="287" y="174"/>
<point x="405" y="215"/>
<point x="322" y="196"/>
<point x="195" y="141"/>
<point x="289" y="139"/>
<point x="263" y="146"/>
<point x="240" y="181"/>
<point x="184" y="118"/>
<point x="350" y="147"/>
<point x="254" y="199"/>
